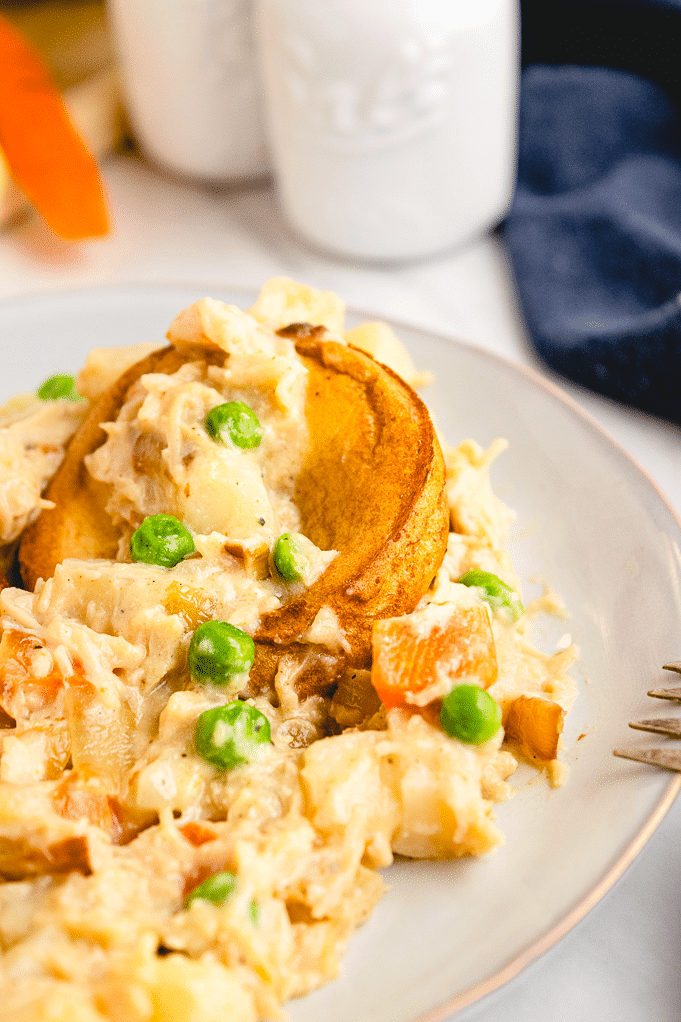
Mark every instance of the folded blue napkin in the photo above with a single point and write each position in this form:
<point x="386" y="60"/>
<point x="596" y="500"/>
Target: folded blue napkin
<point x="594" y="230"/>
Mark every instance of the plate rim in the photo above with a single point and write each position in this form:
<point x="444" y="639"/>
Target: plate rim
<point x="537" y="948"/>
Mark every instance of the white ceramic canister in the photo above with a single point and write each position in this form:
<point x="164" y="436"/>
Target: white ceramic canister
<point x="191" y="85"/>
<point x="392" y="123"/>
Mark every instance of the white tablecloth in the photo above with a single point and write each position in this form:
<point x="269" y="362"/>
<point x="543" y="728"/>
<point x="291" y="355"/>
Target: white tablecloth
<point x="621" y="963"/>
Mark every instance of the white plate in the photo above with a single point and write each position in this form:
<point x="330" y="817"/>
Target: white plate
<point x="596" y="529"/>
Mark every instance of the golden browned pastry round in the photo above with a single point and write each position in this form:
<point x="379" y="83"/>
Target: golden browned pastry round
<point x="371" y="487"/>
<point x="78" y="525"/>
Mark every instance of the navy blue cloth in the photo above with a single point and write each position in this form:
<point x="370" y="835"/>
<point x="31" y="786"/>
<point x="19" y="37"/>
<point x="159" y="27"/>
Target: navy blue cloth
<point x="594" y="231"/>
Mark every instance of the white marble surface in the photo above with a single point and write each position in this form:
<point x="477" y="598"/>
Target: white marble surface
<point x="621" y="963"/>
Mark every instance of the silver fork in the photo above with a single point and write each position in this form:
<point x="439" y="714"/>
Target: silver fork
<point x="670" y="759"/>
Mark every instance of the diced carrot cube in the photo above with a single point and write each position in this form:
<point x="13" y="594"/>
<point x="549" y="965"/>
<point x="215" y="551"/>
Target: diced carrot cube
<point x="413" y="664"/>
<point x="536" y="724"/>
<point x="20" y="690"/>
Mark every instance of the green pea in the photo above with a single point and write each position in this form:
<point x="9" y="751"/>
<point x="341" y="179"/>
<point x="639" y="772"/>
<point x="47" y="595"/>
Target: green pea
<point x="234" y="421"/>
<point x="59" y="386"/>
<point x="470" y="714"/>
<point x="289" y="560"/>
<point x="162" y="540"/>
<point x="229" y="735"/>
<point x="501" y="598"/>
<point x="288" y="557"/>
<point x="216" y="889"/>
<point x="218" y="651"/>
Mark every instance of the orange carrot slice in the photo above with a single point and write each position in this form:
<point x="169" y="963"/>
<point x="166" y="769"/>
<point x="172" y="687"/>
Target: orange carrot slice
<point x="409" y="660"/>
<point x="536" y="724"/>
<point x="46" y="156"/>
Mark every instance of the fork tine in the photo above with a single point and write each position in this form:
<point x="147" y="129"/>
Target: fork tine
<point x="667" y="693"/>
<point x="670" y="726"/>
<point x="670" y="759"/>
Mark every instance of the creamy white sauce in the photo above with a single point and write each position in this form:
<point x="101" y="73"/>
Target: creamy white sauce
<point x="93" y="669"/>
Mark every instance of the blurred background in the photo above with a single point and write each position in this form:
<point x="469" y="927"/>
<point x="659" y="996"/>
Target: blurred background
<point x="384" y="135"/>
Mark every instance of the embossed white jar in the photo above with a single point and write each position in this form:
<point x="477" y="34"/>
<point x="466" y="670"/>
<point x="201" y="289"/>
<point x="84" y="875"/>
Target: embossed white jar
<point x="392" y="122"/>
<point x="191" y="84"/>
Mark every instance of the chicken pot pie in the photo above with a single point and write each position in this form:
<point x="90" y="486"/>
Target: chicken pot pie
<point x="266" y="638"/>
